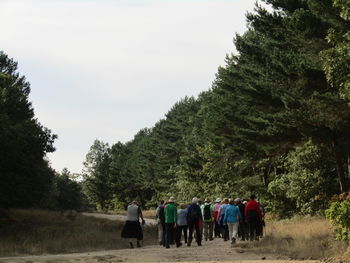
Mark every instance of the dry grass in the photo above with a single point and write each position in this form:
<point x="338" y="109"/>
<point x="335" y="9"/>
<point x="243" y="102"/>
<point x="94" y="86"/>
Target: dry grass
<point x="146" y="213"/>
<point x="149" y="213"/>
<point x="40" y="231"/>
<point x="300" y="238"/>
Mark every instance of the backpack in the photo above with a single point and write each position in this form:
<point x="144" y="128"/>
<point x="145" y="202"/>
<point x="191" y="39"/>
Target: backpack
<point x="193" y="214"/>
<point x="207" y="212"/>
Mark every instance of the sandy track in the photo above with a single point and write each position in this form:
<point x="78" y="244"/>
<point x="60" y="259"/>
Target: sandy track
<point x="118" y="217"/>
<point x="211" y="251"/>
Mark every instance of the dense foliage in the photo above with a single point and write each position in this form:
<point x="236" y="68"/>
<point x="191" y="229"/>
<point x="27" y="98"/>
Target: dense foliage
<point x="339" y="215"/>
<point x="25" y="176"/>
<point x="275" y="122"/>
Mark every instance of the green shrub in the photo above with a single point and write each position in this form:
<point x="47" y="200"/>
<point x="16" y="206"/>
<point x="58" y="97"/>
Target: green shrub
<point x="339" y="215"/>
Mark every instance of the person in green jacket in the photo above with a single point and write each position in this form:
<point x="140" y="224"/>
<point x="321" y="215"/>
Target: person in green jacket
<point x="170" y="213"/>
<point x="208" y="219"/>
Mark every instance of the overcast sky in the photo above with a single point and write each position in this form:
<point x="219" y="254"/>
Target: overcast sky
<point x="104" y="69"/>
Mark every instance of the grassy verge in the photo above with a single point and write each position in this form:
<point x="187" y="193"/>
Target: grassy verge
<point x="300" y="238"/>
<point x="40" y="231"/>
<point x="146" y="213"/>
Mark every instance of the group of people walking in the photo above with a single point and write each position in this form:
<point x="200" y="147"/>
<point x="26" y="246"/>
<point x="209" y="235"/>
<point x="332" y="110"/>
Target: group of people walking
<point x="228" y="219"/>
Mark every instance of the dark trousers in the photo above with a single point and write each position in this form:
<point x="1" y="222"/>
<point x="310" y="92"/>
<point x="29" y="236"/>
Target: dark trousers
<point x="164" y="234"/>
<point x="192" y="227"/>
<point x="181" y="229"/>
<point x="170" y="234"/>
<point x="261" y="225"/>
<point x="217" y="232"/>
<point x="253" y="228"/>
<point x="243" y="230"/>
<point x="224" y="232"/>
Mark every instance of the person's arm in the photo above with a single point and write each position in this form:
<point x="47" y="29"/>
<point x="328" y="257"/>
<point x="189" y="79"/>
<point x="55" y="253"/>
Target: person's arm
<point x="225" y="217"/>
<point x="200" y="214"/>
<point x="141" y="216"/>
<point x="157" y="212"/>
<point x="239" y="215"/>
<point x="258" y="210"/>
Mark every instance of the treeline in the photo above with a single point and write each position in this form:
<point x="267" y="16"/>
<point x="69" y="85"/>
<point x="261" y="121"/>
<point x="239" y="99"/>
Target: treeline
<point x="26" y="177"/>
<point x="275" y="122"/>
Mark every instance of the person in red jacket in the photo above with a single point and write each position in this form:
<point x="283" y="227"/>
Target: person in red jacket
<point x="253" y="218"/>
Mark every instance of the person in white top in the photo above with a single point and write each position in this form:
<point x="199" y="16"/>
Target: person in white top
<point x="132" y="227"/>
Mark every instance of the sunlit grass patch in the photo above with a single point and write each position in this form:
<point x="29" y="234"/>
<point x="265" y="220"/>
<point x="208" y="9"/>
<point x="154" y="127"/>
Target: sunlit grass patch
<point x="300" y="237"/>
<point x="40" y="231"/>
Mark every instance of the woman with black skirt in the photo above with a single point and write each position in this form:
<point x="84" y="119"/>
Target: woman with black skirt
<point x="132" y="228"/>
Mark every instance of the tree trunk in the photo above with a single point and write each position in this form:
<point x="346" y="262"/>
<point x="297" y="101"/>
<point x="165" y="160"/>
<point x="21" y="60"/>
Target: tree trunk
<point x="340" y="169"/>
<point x="266" y="176"/>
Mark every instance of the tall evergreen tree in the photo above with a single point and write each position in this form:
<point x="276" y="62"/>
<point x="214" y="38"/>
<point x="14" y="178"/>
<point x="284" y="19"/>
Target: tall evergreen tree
<point x="25" y="175"/>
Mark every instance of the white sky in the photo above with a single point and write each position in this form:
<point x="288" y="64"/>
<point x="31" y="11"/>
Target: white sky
<point x="104" y="69"/>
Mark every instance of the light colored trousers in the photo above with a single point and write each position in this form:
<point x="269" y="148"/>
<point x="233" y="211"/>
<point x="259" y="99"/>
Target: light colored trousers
<point x="208" y="231"/>
<point x="160" y="231"/>
<point x="233" y="229"/>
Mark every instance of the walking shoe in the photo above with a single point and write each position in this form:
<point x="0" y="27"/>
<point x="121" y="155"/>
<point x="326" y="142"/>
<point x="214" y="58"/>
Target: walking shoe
<point x="233" y="240"/>
<point x="131" y="245"/>
<point x="167" y="246"/>
<point x="179" y="245"/>
<point x="138" y="244"/>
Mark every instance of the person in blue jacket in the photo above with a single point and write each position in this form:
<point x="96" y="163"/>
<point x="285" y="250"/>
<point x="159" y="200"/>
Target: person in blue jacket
<point x="231" y="218"/>
<point x="194" y="215"/>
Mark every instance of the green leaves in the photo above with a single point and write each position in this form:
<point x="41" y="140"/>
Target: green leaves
<point x="339" y="215"/>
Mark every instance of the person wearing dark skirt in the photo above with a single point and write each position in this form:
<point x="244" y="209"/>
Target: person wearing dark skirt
<point x="132" y="228"/>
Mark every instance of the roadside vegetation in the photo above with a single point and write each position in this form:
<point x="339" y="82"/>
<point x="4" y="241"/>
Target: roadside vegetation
<point x="301" y="237"/>
<point x="34" y="232"/>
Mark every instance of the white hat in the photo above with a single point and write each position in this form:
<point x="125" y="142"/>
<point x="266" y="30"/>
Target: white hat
<point x="237" y="200"/>
<point x="194" y="200"/>
<point x="218" y="200"/>
<point x="172" y="199"/>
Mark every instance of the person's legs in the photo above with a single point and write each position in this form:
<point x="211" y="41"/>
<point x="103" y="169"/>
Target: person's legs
<point x="206" y="230"/>
<point x="253" y="229"/>
<point x="227" y="236"/>
<point x="234" y="232"/>
<point x="130" y="243"/>
<point x="230" y="229"/>
<point x="190" y="234"/>
<point x="185" y="233"/>
<point x="216" y="229"/>
<point x="211" y="225"/>
<point x="168" y="235"/>
<point x="164" y="233"/>
<point x="179" y="232"/>
<point x="160" y="233"/>
<point x="198" y="235"/>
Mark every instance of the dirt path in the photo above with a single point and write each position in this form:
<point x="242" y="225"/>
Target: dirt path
<point x="211" y="251"/>
<point x="118" y="217"/>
